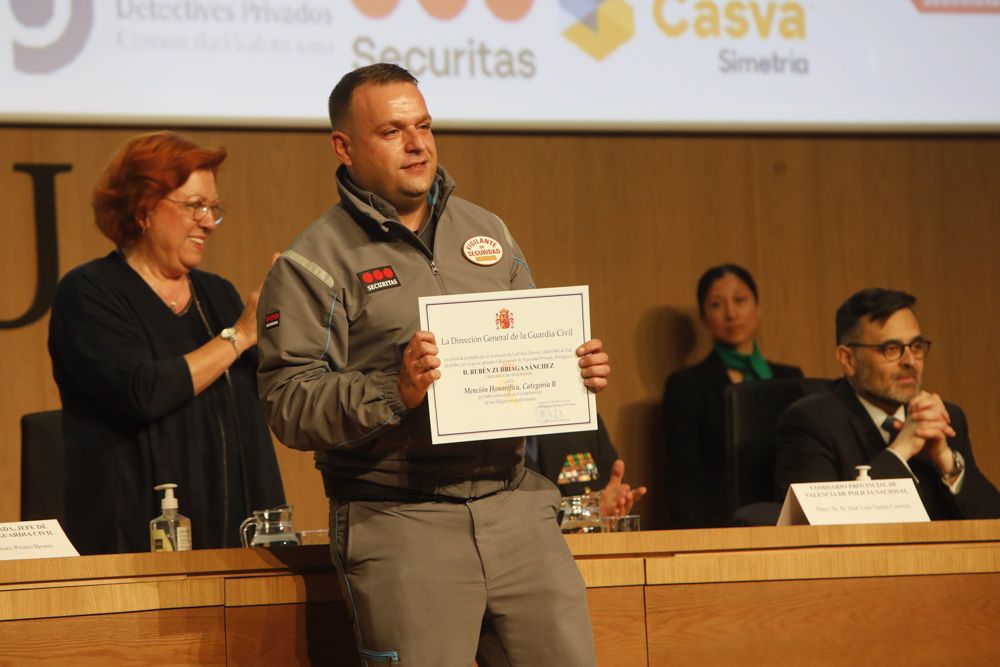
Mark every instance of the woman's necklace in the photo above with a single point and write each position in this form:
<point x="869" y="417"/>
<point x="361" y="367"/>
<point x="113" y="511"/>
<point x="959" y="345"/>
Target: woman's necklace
<point x="171" y="303"/>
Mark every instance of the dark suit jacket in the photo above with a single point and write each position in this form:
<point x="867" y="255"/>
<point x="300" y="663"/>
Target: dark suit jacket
<point x="822" y="437"/>
<point x="693" y="460"/>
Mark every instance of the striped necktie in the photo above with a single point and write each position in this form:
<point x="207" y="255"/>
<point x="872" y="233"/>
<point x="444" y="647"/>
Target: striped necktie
<point x="889" y="425"/>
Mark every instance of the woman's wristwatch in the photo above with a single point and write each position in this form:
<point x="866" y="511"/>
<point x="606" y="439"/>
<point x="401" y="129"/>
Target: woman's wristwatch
<point x="229" y="333"/>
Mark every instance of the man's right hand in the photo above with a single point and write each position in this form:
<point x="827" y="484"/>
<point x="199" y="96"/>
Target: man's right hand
<point x="617" y="497"/>
<point x="418" y="369"/>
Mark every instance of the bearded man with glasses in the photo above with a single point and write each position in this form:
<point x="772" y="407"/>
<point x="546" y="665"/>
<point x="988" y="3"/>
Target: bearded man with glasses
<point x="879" y="415"/>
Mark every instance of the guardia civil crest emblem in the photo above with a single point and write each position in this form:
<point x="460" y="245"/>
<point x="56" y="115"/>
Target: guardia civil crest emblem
<point x="505" y="319"/>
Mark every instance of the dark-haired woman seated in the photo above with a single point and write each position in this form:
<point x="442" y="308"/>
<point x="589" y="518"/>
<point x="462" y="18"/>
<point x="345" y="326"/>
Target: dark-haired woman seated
<point x="694" y="475"/>
<point x="156" y="362"/>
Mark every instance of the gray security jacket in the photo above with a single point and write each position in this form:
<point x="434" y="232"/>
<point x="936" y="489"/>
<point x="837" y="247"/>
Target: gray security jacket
<point x="335" y="313"/>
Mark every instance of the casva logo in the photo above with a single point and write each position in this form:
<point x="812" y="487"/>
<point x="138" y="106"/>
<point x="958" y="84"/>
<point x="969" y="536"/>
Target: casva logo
<point x="508" y="10"/>
<point x="73" y="19"/>
<point x="722" y="19"/>
<point x="601" y="25"/>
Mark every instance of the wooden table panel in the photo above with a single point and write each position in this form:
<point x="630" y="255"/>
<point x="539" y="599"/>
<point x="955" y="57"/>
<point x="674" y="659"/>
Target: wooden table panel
<point x="314" y="558"/>
<point x="612" y="571"/>
<point x="287" y="589"/>
<point x="906" y="621"/>
<point x="319" y="633"/>
<point x="653" y="542"/>
<point x="195" y="636"/>
<point x="823" y="563"/>
<point x="109" y="598"/>
<point x="618" y="617"/>
<point x="797" y="595"/>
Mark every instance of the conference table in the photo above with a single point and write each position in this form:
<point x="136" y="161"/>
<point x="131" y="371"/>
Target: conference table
<point x="892" y="594"/>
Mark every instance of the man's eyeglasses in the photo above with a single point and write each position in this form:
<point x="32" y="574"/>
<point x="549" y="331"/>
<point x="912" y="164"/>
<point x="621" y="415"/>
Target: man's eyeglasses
<point x="199" y="210"/>
<point x="893" y="350"/>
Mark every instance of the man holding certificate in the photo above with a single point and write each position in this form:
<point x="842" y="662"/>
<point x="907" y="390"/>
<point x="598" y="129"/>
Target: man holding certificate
<point x="432" y="540"/>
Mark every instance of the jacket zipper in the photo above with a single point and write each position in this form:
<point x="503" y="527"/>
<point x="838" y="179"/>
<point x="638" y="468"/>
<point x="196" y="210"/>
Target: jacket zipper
<point x="437" y="276"/>
<point x="415" y="241"/>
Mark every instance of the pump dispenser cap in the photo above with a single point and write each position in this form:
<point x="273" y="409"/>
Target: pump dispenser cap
<point x="168" y="502"/>
<point x="862" y="475"/>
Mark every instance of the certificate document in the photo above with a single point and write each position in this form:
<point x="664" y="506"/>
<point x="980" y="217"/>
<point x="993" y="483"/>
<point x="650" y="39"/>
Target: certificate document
<point x="508" y="363"/>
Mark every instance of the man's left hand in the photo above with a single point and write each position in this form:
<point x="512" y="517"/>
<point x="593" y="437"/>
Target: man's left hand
<point x="594" y="366"/>
<point x="933" y="424"/>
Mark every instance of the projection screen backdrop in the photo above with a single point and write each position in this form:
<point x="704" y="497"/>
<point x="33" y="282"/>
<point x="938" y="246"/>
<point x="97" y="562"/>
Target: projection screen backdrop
<point x="519" y="64"/>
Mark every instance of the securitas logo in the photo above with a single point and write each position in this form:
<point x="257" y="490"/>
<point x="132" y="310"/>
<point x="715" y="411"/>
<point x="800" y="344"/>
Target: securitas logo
<point x="601" y="25"/>
<point x="469" y="59"/>
<point x="376" y="280"/>
<point x="50" y="33"/>
<point x="958" y="6"/>
<point x="508" y="10"/>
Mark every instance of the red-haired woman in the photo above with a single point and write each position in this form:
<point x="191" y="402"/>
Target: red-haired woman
<point x="156" y="361"/>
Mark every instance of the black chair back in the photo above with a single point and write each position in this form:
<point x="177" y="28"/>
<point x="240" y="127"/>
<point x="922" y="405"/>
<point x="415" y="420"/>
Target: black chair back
<point x="752" y="411"/>
<point x="43" y="466"/>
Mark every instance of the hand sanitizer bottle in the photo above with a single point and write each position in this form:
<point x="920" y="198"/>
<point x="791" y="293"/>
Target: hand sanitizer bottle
<point x="171" y="531"/>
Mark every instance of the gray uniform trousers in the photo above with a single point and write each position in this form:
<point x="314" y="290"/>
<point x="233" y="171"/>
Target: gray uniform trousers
<point x="421" y="578"/>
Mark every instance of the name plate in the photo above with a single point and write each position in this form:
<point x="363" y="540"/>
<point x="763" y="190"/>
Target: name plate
<point x="868" y="501"/>
<point x="34" y="539"/>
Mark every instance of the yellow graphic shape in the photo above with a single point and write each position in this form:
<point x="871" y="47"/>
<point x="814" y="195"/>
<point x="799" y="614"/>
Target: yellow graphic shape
<point x="615" y="25"/>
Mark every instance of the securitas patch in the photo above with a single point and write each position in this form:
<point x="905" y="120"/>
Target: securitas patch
<point x="272" y="320"/>
<point x="376" y="280"/>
